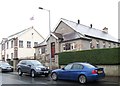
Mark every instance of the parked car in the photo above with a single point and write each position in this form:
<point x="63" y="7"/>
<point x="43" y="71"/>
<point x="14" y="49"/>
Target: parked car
<point x="82" y="72"/>
<point x="32" y="67"/>
<point x="5" y="67"/>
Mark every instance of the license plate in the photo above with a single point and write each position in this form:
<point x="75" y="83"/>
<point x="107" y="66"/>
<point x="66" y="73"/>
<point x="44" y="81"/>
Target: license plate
<point x="100" y="71"/>
<point x="45" y="71"/>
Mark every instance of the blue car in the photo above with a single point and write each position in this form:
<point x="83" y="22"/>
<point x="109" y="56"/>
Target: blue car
<point x="82" y="72"/>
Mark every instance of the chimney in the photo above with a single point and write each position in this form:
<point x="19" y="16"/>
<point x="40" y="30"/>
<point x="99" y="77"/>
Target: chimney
<point x="78" y="21"/>
<point x="90" y="25"/>
<point x="105" y="30"/>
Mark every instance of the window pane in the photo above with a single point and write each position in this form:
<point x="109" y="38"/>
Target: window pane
<point x="20" y="44"/>
<point x="68" y="67"/>
<point x="28" y="44"/>
<point x="35" y="43"/>
<point x="43" y="50"/>
<point x="12" y="44"/>
<point x="67" y="45"/>
<point x="77" y="66"/>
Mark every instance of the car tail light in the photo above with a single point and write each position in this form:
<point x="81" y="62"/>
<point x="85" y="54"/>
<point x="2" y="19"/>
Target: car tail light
<point x="94" y="71"/>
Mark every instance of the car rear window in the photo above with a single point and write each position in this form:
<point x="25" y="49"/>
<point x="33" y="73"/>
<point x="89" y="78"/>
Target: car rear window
<point x="89" y="65"/>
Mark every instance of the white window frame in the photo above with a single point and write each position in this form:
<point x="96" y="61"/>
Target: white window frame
<point x="28" y="44"/>
<point x="20" y="45"/>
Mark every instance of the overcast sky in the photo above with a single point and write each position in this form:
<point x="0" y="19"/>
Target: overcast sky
<point x="15" y="14"/>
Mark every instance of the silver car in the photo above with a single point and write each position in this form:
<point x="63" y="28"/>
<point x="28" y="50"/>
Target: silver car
<point x="5" y="67"/>
<point x="32" y="67"/>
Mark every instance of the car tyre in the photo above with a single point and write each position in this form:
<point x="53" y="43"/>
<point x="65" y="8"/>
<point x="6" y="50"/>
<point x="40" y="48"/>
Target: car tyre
<point x="54" y="76"/>
<point x="32" y="73"/>
<point x="82" y="79"/>
<point x="20" y="72"/>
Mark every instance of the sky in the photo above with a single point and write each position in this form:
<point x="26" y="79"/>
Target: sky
<point x="15" y="15"/>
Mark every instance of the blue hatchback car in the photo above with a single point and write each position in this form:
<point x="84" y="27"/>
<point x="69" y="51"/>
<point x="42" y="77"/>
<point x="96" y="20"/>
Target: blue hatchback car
<point x="82" y="72"/>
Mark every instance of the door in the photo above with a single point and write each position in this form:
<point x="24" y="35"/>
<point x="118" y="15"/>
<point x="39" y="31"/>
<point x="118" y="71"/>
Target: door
<point x="65" y="72"/>
<point x="53" y="51"/>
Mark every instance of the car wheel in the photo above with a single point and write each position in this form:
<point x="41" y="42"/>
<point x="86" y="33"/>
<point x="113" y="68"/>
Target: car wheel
<point x="20" y="72"/>
<point x="82" y="79"/>
<point x="54" y="76"/>
<point x="32" y="73"/>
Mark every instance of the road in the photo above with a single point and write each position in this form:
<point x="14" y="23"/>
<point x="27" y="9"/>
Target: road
<point x="12" y="79"/>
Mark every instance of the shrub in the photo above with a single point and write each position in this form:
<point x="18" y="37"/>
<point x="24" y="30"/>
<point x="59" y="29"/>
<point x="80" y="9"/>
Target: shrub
<point x="107" y="56"/>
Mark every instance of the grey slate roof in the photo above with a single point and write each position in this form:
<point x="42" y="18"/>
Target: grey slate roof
<point x="86" y="30"/>
<point x="70" y="36"/>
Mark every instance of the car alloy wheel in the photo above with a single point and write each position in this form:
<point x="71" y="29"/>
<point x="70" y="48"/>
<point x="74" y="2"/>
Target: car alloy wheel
<point x="32" y="73"/>
<point x="20" y="72"/>
<point x="54" y="76"/>
<point x="82" y="79"/>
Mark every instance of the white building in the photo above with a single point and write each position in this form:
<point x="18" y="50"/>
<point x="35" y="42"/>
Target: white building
<point x="0" y="52"/>
<point x="20" y="45"/>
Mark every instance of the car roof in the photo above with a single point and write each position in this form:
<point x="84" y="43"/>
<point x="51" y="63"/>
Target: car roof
<point x="29" y="60"/>
<point x="80" y="63"/>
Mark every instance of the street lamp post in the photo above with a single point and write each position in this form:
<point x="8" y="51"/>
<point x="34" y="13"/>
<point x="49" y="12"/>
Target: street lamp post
<point x="49" y="35"/>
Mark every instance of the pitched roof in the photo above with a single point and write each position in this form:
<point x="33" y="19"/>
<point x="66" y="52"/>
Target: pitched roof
<point x="23" y="31"/>
<point x="19" y="32"/>
<point x="44" y="43"/>
<point x="86" y="30"/>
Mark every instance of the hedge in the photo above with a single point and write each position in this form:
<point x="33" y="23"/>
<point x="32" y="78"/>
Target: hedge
<point x="109" y="56"/>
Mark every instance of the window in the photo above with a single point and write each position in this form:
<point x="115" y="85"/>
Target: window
<point x="28" y="44"/>
<point x="97" y="44"/>
<point x="20" y="44"/>
<point x="68" y="46"/>
<point x="68" y="67"/>
<point x="42" y="50"/>
<point x="7" y="45"/>
<point x="104" y="46"/>
<point x="109" y="45"/>
<point x="118" y="45"/>
<point x="3" y="46"/>
<point x="35" y="43"/>
<point x="114" y="45"/>
<point x="77" y="66"/>
<point x="91" y="45"/>
<point x="73" y="46"/>
<point x="7" y="56"/>
<point x="12" y="44"/>
<point x="23" y="62"/>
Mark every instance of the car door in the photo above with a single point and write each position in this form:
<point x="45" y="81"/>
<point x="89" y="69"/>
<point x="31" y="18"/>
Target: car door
<point x="27" y="67"/>
<point x="75" y="71"/>
<point x="21" y="65"/>
<point x="65" y="72"/>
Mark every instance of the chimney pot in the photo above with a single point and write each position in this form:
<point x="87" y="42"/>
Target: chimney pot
<point x="78" y="21"/>
<point x="90" y="25"/>
<point x="105" y="29"/>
